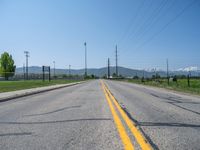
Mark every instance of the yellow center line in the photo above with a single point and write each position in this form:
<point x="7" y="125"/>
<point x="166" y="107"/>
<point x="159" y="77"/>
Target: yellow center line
<point x="136" y="133"/>
<point x="122" y="132"/>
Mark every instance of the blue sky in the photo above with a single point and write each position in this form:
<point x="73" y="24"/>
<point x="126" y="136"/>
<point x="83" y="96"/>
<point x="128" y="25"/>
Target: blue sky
<point x="146" y="32"/>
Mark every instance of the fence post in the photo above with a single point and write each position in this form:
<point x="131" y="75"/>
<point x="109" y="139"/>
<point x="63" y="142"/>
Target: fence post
<point x="188" y="79"/>
<point x="49" y="74"/>
<point x="43" y="73"/>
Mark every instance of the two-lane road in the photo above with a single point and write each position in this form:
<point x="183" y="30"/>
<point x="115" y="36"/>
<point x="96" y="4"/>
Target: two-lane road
<point x="85" y="117"/>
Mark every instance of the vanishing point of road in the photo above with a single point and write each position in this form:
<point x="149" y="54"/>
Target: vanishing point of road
<point x="101" y="115"/>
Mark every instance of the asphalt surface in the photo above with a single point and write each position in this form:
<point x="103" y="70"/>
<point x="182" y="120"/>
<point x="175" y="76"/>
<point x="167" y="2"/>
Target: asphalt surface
<point x="169" y="120"/>
<point x="75" y="117"/>
<point x="79" y="117"/>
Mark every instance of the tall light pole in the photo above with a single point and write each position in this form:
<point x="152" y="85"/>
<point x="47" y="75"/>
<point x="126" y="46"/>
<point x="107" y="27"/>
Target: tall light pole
<point x="54" y="68"/>
<point x="27" y="55"/>
<point x="85" y="44"/>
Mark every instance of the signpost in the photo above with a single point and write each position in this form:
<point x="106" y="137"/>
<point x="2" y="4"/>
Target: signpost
<point x="44" y="70"/>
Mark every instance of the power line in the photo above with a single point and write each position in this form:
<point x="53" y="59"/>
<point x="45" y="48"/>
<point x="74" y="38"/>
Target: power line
<point x="170" y="22"/>
<point x="154" y="14"/>
<point x="166" y="25"/>
<point x="137" y="25"/>
<point x="133" y="20"/>
<point x="149" y="25"/>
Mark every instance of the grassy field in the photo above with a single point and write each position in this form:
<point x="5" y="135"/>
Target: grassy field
<point x="6" y="86"/>
<point x="181" y="85"/>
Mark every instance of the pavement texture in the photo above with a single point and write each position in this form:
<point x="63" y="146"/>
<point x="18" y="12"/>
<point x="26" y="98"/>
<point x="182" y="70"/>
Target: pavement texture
<point x="75" y="117"/>
<point x="169" y="120"/>
<point x="5" y="96"/>
<point x="79" y="117"/>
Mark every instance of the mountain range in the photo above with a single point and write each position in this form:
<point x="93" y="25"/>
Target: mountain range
<point x="127" y="72"/>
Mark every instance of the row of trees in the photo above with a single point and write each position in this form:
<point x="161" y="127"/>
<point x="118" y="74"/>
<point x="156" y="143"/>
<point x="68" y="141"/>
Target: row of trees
<point x="7" y="65"/>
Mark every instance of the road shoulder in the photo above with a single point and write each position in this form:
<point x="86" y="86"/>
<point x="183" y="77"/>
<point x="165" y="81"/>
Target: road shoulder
<point x="6" y="96"/>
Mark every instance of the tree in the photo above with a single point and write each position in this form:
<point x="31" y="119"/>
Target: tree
<point x="7" y="67"/>
<point x="92" y="76"/>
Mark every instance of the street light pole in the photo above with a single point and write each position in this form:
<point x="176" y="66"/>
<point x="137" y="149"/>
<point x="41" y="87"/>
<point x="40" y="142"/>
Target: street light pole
<point x="27" y="55"/>
<point x="85" y="44"/>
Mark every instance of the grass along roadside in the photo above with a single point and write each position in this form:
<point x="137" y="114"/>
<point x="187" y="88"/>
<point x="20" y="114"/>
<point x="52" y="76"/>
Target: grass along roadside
<point x="7" y="86"/>
<point x="181" y="85"/>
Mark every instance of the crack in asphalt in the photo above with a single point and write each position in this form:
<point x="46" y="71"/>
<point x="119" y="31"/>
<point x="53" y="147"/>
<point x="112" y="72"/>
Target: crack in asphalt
<point x="58" y="110"/>
<point x="59" y="121"/>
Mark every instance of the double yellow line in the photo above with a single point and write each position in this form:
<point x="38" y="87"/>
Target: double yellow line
<point x="120" y="127"/>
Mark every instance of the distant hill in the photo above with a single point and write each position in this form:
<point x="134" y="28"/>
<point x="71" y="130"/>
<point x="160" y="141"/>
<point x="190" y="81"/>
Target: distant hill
<point x="96" y="71"/>
<point x="127" y="72"/>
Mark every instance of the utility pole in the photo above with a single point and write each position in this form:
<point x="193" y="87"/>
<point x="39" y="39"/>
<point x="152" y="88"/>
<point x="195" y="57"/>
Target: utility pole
<point x="27" y="55"/>
<point x="49" y="69"/>
<point x="188" y="78"/>
<point x="24" y="71"/>
<point x="167" y="72"/>
<point x="116" y="57"/>
<point x="69" y="70"/>
<point x="143" y="76"/>
<point x="54" y="72"/>
<point x="85" y="44"/>
<point x="108" y="68"/>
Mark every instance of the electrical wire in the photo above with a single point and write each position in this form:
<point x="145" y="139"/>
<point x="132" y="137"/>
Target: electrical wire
<point x="133" y="20"/>
<point x="168" y="23"/>
<point x="150" y="19"/>
<point x="154" y="22"/>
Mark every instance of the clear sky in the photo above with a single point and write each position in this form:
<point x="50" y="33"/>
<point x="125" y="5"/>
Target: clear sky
<point x="146" y="32"/>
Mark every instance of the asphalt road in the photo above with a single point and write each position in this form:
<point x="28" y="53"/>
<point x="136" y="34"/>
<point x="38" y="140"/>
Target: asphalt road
<point x="81" y="117"/>
<point x="169" y="120"/>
